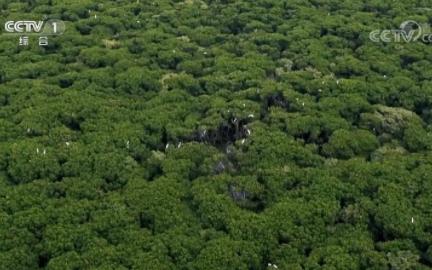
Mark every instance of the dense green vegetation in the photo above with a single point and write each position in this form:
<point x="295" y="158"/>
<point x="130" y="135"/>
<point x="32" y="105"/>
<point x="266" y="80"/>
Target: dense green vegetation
<point x="217" y="134"/>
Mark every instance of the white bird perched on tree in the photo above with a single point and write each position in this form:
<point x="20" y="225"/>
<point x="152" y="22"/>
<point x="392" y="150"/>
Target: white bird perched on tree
<point x="251" y="115"/>
<point x="37" y="150"/>
<point x="67" y="143"/>
<point x="272" y="265"/>
<point x="166" y="146"/>
<point x="44" y="152"/>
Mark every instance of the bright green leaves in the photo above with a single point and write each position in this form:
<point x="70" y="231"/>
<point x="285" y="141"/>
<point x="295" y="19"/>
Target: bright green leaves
<point x="345" y="144"/>
<point x="137" y="81"/>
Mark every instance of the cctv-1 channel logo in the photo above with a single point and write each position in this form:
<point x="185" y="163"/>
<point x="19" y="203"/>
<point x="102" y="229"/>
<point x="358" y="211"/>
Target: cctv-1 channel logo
<point x="27" y="27"/>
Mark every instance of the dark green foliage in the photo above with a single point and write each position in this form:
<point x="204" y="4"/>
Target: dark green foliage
<point x="216" y="135"/>
<point x="346" y="144"/>
<point x="137" y="80"/>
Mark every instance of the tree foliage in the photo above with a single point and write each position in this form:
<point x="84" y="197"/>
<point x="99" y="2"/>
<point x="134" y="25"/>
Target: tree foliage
<point x="216" y="134"/>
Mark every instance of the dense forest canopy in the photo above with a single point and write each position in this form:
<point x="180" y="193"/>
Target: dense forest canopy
<point x="216" y="134"/>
